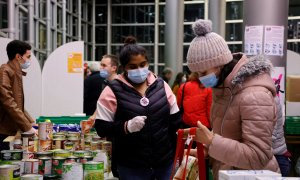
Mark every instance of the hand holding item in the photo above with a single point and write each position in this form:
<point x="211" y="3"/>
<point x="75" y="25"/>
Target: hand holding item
<point x="203" y="134"/>
<point x="136" y="123"/>
<point x="32" y="130"/>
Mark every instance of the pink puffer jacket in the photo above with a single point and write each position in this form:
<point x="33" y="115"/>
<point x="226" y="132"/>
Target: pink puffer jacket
<point x="243" y="116"/>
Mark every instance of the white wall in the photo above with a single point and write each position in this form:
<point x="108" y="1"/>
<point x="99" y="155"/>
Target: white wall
<point x="32" y="82"/>
<point x="62" y="91"/>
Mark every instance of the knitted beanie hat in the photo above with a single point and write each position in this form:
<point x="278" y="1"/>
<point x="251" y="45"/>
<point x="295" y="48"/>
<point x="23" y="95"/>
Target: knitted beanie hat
<point x="208" y="49"/>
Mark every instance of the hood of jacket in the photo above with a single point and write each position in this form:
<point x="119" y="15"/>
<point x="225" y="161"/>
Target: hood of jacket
<point x="254" y="71"/>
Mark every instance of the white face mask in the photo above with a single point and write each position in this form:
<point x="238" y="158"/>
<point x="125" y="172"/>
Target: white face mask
<point x="26" y="64"/>
<point x="138" y="76"/>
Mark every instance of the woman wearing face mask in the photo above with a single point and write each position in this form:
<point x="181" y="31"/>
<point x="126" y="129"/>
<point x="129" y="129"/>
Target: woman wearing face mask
<point x="243" y="112"/>
<point x="139" y="112"/>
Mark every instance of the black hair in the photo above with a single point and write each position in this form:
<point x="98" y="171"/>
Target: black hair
<point x="178" y="79"/>
<point x="226" y="70"/>
<point x="16" y="47"/>
<point x="129" y="49"/>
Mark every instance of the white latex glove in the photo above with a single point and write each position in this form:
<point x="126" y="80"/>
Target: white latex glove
<point x="136" y="123"/>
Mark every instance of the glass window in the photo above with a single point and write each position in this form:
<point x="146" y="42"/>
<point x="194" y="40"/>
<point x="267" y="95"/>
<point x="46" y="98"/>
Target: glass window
<point x="116" y="49"/>
<point x="75" y="25"/>
<point x="149" y="49"/>
<point x="101" y="14"/>
<point x="185" y="50"/>
<point x="42" y="9"/>
<point x="131" y="1"/>
<point x="294" y="46"/>
<point x="188" y="35"/>
<point x="133" y="14"/>
<point x="68" y="24"/>
<point x="161" y="34"/>
<point x="234" y="10"/>
<point x="59" y="39"/>
<point x="294" y="29"/>
<point x="294" y="8"/>
<point x="144" y="34"/>
<point x="89" y="52"/>
<point x="90" y="33"/>
<point x="235" y="48"/>
<point x="89" y="12"/>
<point x="100" y="51"/>
<point x="234" y="32"/>
<point x="23" y="24"/>
<point x="162" y="13"/>
<point x="75" y="6"/>
<point x="161" y="54"/>
<point x="101" y="34"/>
<point x="193" y="12"/>
<point x="59" y="18"/>
<point x="3" y="16"/>
<point x="42" y="36"/>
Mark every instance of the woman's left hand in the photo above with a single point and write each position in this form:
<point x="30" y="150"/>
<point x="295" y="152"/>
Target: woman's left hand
<point x="203" y="134"/>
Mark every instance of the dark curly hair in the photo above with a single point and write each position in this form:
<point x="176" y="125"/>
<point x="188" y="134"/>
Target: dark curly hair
<point x="131" y="48"/>
<point x="16" y="47"/>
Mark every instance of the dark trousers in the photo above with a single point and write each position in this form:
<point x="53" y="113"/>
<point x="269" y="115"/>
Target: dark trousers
<point x="3" y="146"/>
<point x="284" y="164"/>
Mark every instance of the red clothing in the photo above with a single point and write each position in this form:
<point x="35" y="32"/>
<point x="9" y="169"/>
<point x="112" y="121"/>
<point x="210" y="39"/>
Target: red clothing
<point x="196" y="103"/>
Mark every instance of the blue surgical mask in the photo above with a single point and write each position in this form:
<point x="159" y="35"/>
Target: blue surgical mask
<point x="104" y="73"/>
<point x="209" y="80"/>
<point x="138" y="76"/>
<point x="25" y="65"/>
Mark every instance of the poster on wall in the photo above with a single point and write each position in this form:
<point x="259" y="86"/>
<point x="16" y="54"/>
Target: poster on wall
<point x="274" y="36"/>
<point x="253" y="40"/>
<point x="75" y="62"/>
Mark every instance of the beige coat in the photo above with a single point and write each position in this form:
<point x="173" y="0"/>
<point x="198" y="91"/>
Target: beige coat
<point x="243" y="116"/>
<point x="12" y="114"/>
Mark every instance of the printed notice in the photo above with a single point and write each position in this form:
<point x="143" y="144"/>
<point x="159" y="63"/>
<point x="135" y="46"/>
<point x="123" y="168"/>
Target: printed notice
<point x="75" y="63"/>
<point x="274" y="36"/>
<point x="253" y="40"/>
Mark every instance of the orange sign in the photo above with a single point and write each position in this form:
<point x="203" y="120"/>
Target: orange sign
<point x="75" y="63"/>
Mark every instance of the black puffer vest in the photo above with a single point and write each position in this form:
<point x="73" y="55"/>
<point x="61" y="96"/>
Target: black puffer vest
<point x="152" y="146"/>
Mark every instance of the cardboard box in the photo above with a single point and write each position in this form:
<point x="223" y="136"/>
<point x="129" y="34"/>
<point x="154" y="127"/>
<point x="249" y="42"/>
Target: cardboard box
<point x="293" y="88"/>
<point x="246" y="174"/>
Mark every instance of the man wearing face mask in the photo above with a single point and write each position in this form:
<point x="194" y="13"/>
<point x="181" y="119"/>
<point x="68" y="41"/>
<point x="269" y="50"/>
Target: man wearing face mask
<point x="13" y="116"/>
<point x="139" y="112"/>
<point x="108" y="71"/>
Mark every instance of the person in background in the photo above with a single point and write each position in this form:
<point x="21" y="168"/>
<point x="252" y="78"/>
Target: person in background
<point x="196" y="100"/>
<point x="13" y="116"/>
<point x="139" y="112"/>
<point x="108" y="70"/>
<point x="243" y="112"/>
<point x="279" y="145"/>
<point x="109" y="67"/>
<point x="93" y="86"/>
<point x="180" y="78"/>
<point x="167" y="74"/>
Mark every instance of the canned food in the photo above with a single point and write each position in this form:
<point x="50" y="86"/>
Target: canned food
<point x="107" y="147"/>
<point x="76" y="142"/>
<point x="39" y="155"/>
<point x="17" y="144"/>
<point x="93" y="170"/>
<point x="86" y="126"/>
<point x="87" y="145"/>
<point x="69" y="145"/>
<point x="56" y="135"/>
<point x="28" y="155"/>
<point x="101" y="156"/>
<point x="32" y="177"/>
<point x="72" y="171"/>
<point x="28" y="142"/>
<point x="82" y="153"/>
<point x="45" y="165"/>
<point x="45" y="145"/>
<point x="85" y="159"/>
<point x="57" y="163"/>
<point x="31" y="166"/>
<point x="59" y="143"/>
<point x="96" y="138"/>
<point x="95" y="145"/>
<point x="45" y="130"/>
<point x="89" y="136"/>
<point x="62" y="153"/>
<point x="73" y="134"/>
<point x="72" y="159"/>
<point x="9" y="155"/>
<point x="9" y="172"/>
<point x="20" y="164"/>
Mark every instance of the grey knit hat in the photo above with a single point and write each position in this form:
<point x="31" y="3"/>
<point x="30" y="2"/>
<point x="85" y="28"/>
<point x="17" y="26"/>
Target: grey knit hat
<point x="208" y="49"/>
